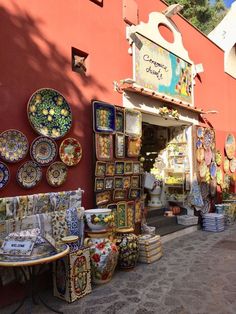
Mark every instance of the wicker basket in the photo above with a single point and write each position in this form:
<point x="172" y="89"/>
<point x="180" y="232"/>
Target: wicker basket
<point x="187" y="220"/>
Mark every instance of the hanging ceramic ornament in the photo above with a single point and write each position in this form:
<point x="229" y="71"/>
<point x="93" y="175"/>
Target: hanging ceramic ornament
<point x="203" y="169"/>
<point x="219" y="176"/>
<point x="4" y="175"/>
<point x="200" y="132"/>
<point x="213" y="169"/>
<point x="226" y="165"/>
<point x="230" y="146"/>
<point x="199" y="143"/>
<point x="208" y="156"/>
<point x="218" y="158"/>
<point x="232" y="164"/>
<point x="200" y="154"/>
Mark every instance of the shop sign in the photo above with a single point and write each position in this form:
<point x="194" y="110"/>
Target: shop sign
<point x="158" y="69"/>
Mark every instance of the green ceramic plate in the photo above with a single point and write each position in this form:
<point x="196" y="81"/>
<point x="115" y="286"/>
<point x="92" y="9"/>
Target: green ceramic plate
<point x="49" y="113"/>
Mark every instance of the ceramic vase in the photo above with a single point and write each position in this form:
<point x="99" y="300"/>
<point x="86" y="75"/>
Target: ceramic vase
<point x="155" y="195"/>
<point x="103" y="255"/>
<point x="127" y="243"/>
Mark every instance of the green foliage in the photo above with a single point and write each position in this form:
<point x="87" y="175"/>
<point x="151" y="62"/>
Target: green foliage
<point x="201" y="13"/>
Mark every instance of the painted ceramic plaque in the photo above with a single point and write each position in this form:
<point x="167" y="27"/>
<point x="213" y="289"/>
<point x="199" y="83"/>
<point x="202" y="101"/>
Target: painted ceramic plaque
<point x="110" y="169"/>
<point x="134" y="146"/>
<point x="208" y="156"/>
<point x="128" y="167"/>
<point x="103" y="117"/>
<point x="119" y="167"/>
<point x="135" y="182"/>
<point x="134" y="193"/>
<point x="119" y="183"/>
<point x="13" y="145"/>
<point x="100" y="169"/>
<point x="200" y="153"/>
<point x="126" y="182"/>
<point x="130" y="213"/>
<point x="70" y="151"/>
<point x="99" y="184"/>
<point x="109" y="183"/>
<point x="119" y="121"/>
<point x="29" y="174"/>
<point x="56" y="174"/>
<point x="43" y="150"/>
<point x="218" y="158"/>
<point x="121" y="215"/>
<point x="103" y="197"/>
<point x="104" y="146"/>
<point x="230" y="146"/>
<point x="133" y="123"/>
<point x="226" y="165"/>
<point x="232" y="164"/>
<point x="4" y="175"/>
<point x="49" y="113"/>
<point x="120" y="145"/>
<point x="119" y="194"/>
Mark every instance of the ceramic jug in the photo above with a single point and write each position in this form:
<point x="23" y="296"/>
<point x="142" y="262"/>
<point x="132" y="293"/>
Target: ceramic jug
<point x="127" y="243"/>
<point x="104" y="256"/>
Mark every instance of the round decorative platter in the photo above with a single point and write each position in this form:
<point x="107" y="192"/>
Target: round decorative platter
<point x="218" y="158"/>
<point x="232" y="164"/>
<point x="70" y="151"/>
<point x="199" y="143"/>
<point x="226" y="164"/>
<point x="29" y="174"/>
<point x="13" y="145"/>
<point x="219" y="176"/>
<point x="202" y="169"/>
<point x="230" y="146"/>
<point x="213" y="168"/>
<point x="208" y="138"/>
<point x="200" y="132"/>
<point x="43" y="150"/>
<point x="4" y="175"/>
<point x="208" y="156"/>
<point x="56" y="174"/>
<point x="49" y="113"/>
<point x="200" y="153"/>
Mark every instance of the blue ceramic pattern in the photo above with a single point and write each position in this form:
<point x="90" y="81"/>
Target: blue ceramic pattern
<point x="4" y="175"/>
<point x="103" y="117"/>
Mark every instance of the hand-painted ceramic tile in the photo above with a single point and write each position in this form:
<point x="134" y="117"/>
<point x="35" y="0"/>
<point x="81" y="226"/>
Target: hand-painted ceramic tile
<point x="119" y="121"/>
<point x="56" y="174"/>
<point x="75" y="198"/>
<point x="119" y="194"/>
<point x="109" y="183"/>
<point x="99" y="184"/>
<point x="4" y="175"/>
<point x="126" y="182"/>
<point x="43" y="150"/>
<point x="103" y="198"/>
<point x="232" y="164"/>
<point x="130" y="213"/>
<point x="103" y="117"/>
<point x="138" y="211"/>
<point x="104" y="146"/>
<point x="121" y="215"/>
<point x="135" y="182"/>
<point x="110" y="169"/>
<point x="70" y="151"/>
<point x="128" y="169"/>
<point x="120" y="145"/>
<point x="119" y="167"/>
<point x="49" y="113"/>
<point x="13" y="145"/>
<point x="133" y="123"/>
<point x="59" y="225"/>
<point x="230" y="146"/>
<point x="118" y="183"/>
<point x="134" y="193"/>
<point x="134" y="146"/>
<point x="100" y="169"/>
<point x="42" y="203"/>
<point x="29" y="174"/>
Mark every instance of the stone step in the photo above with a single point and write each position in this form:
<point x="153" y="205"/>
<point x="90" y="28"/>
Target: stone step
<point x="168" y="229"/>
<point x="159" y="221"/>
<point x="153" y="212"/>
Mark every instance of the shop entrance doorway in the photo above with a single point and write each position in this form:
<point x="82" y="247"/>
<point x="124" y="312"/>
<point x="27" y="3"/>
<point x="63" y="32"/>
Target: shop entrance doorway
<point x="166" y="151"/>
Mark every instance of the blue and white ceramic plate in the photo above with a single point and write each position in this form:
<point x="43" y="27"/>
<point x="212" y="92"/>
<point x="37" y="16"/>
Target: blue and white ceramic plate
<point x="43" y="150"/>
<point x="4" y="175"/>
<point x="29" y="174"/>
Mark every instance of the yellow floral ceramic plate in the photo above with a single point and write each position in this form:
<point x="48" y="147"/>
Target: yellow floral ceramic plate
<point x="49" y="113"/>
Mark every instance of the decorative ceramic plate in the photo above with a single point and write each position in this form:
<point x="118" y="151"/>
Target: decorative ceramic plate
<point x="230" y="146"/>
<point x="200" y="153"/>
<point x="43" y="150"/>
<point x="199" y="143"/>
<point x="133" y="123"/>
<point x="213" y="187"/>
<point x="56" y="174"/>
<point x="49" y="113"/>
<point x="4" y="175"/>
<point x="134" y="146"/>
<point x="203" y="169"/>
<point x="208" y="138"/>
<point x="208" y="156"/>
<point x="29" y="174"/>
<point x="103" y="117"/>
<point x="232" y="164"/>
<point x="226" y="165"/>
<point x="219" y="176"/>
<point x="119" y="120"/>
<point x="213" y="169"/>
<point x="104" y="146"/>
<point x="13" y="145"/>
<point x="70" y="151"/>
<point x="200" y="132"/>
<point x="218" y="158"/>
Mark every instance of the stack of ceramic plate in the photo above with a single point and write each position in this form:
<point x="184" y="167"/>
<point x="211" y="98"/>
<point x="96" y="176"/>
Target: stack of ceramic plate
<point x="150" y="248"/>
<point x="213" y="222"/>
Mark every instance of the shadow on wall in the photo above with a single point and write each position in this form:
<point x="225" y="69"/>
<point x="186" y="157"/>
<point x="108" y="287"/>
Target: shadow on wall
<point x="30" y="61"/>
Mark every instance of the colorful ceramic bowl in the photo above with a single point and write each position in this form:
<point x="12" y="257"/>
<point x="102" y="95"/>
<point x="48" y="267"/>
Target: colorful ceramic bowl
<point x="98" y="218"/>
<point x="29" y="174"/>
<point x="56" y="174"/>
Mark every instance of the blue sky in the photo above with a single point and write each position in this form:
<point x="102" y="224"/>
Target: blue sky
<point x="227" y="2"/>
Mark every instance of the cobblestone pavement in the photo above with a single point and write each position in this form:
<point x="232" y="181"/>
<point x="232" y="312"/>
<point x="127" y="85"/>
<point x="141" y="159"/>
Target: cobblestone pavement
<point x="197" y="274"/>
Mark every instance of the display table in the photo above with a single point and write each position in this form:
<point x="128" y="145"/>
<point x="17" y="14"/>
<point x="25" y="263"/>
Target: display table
<point x="27" y="266"/>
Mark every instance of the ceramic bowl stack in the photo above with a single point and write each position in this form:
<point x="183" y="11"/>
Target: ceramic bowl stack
<point x="150" y="248"/>
<point x="213" y="222"/>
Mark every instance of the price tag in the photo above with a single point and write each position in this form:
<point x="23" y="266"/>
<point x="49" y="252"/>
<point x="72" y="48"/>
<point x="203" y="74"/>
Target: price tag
<point x="18" y="246"/>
